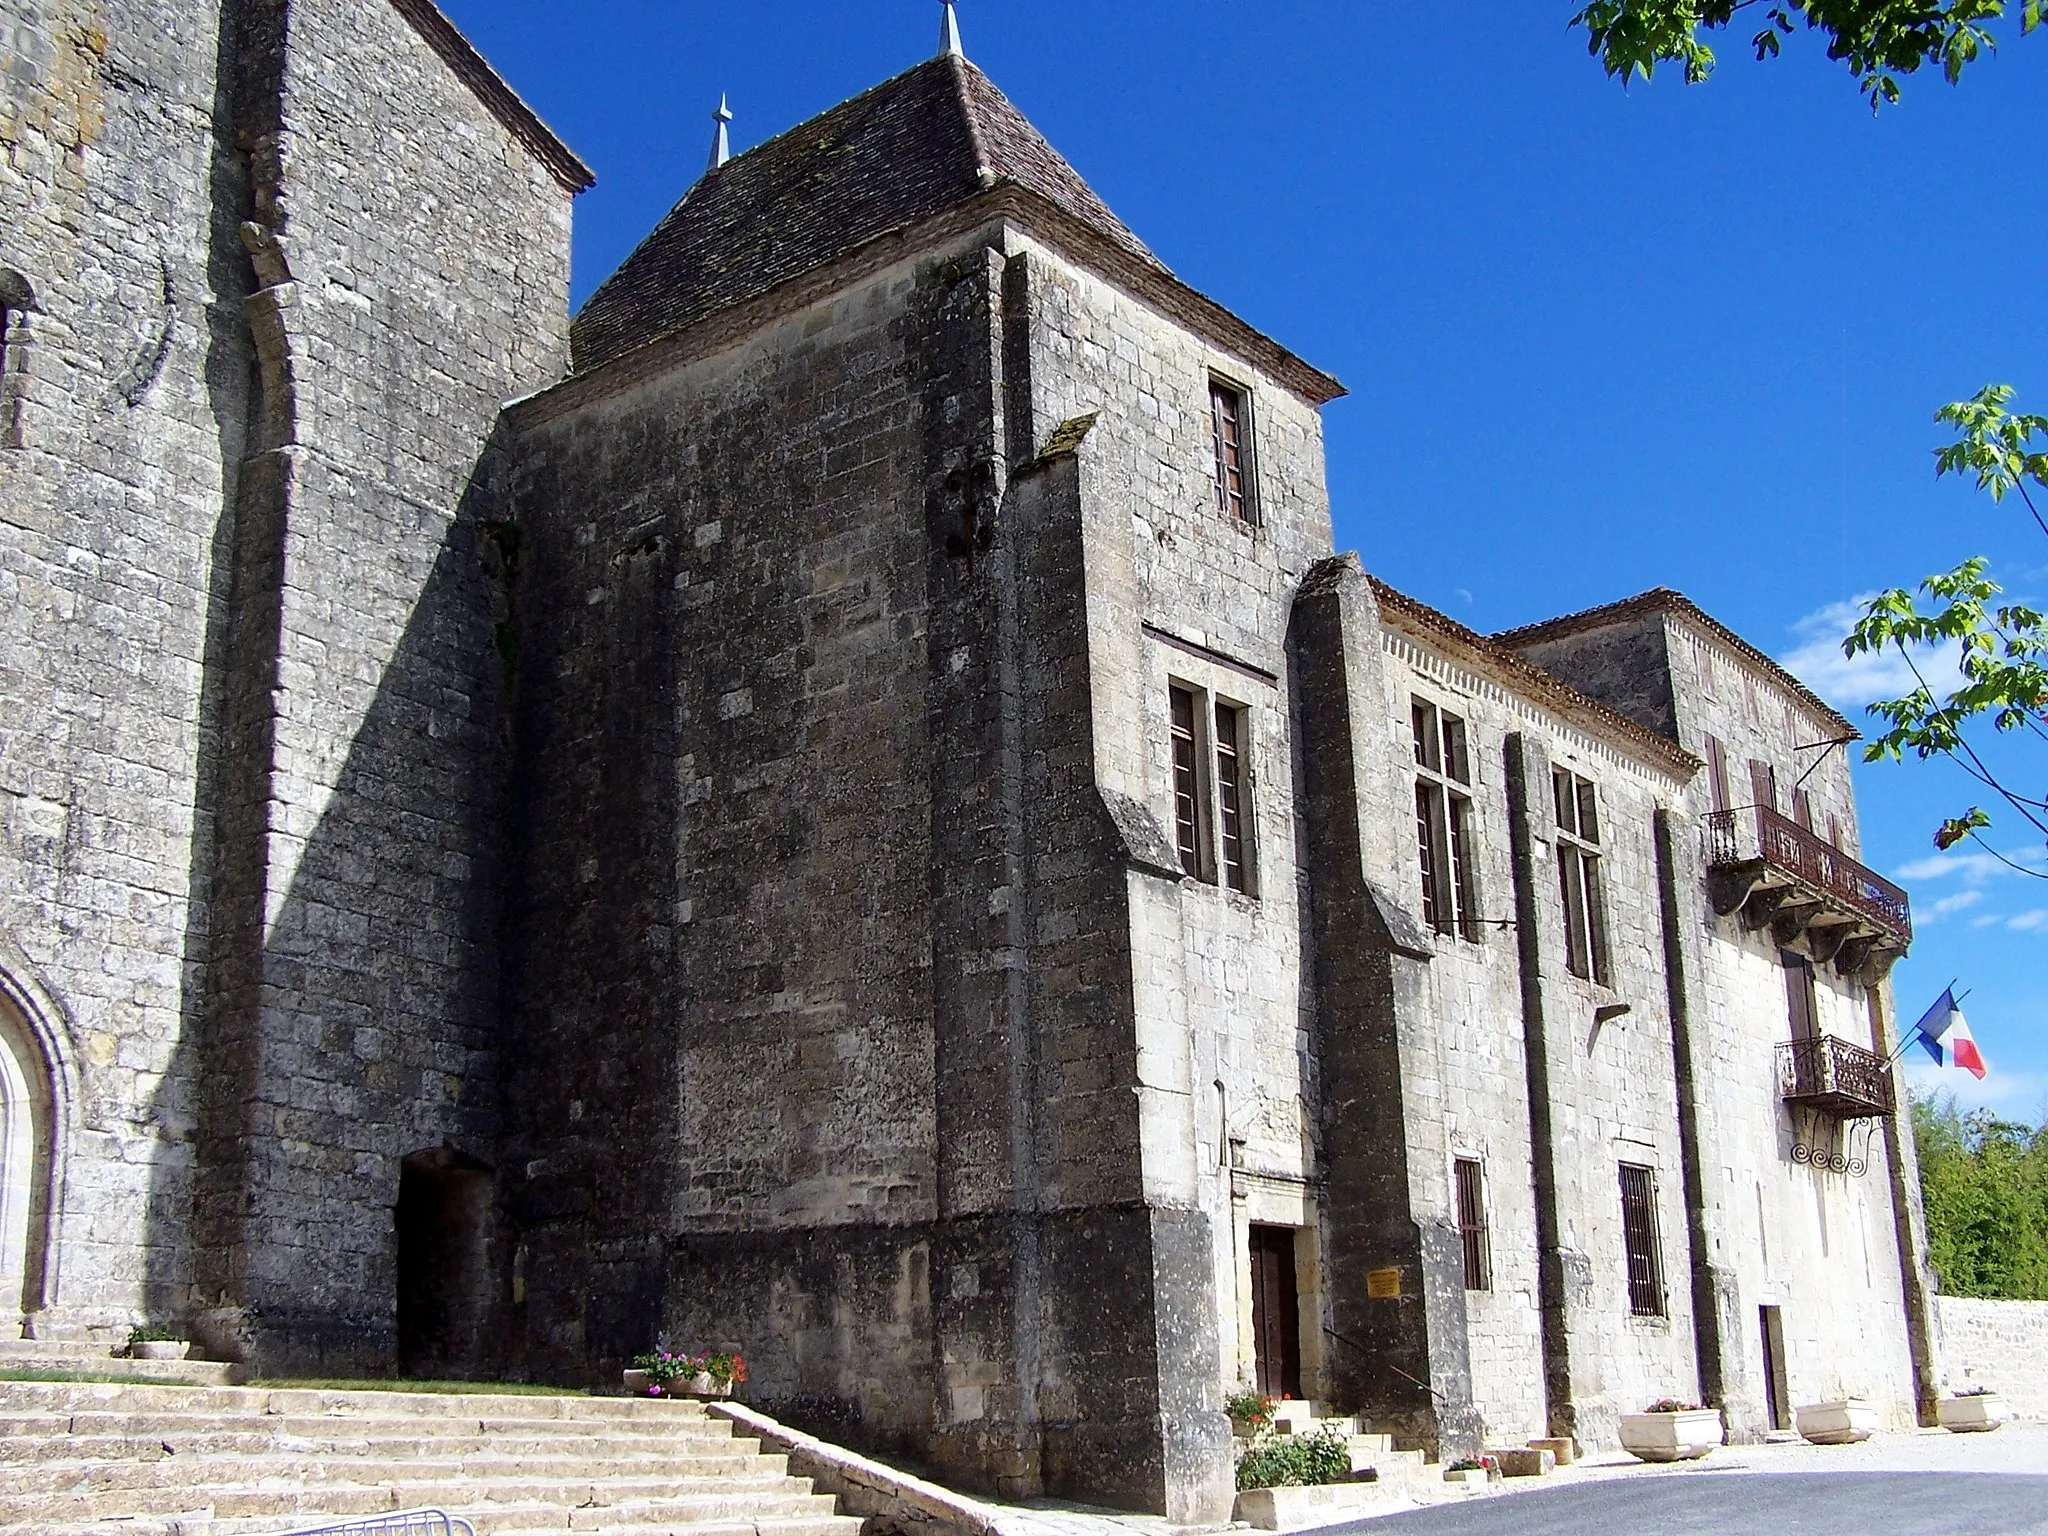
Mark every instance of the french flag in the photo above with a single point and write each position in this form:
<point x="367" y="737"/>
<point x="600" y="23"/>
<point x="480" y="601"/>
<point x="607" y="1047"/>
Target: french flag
<point x="1946" y="1034"/>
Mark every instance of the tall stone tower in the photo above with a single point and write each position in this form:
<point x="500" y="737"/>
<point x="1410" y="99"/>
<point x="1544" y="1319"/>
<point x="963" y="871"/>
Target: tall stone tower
<point x="845" y="1022"/>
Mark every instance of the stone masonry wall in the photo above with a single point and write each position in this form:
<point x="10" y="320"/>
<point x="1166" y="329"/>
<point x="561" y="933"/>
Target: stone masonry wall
<point x="2001" y="1344"/>
<point x="122" y="414"/>
<point x="412" y="256"/>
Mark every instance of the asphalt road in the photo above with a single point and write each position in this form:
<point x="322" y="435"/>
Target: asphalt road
<point x="1730" y="1504"/>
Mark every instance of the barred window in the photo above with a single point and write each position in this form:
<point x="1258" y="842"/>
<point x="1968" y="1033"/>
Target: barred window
<point x="1230" y="432"/>
<point x="1233" y="804"/>
<point x="1443" y="820"/>
<point x="1472" y="1224"/>
<point x="1639" y="1240"/>
<point x="1578" y="871"/>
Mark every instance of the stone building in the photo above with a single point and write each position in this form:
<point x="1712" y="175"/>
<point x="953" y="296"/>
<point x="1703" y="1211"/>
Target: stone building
<point x="843" y="805"/>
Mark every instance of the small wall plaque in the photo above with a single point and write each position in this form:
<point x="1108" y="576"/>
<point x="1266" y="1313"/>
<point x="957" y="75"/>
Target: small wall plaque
<point x="1383" y="1284"/>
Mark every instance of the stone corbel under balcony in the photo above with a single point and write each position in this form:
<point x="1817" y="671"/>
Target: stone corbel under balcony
<point x="1814" y="899"/>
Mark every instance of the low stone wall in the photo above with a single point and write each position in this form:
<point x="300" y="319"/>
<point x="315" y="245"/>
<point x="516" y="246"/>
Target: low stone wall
<point x="2002" y="1344"/>
<point x="891" y="1502"/>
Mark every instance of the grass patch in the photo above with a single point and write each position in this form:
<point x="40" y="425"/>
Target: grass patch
<point x="113" y="1377"/>
<point x="435" y="1388"/>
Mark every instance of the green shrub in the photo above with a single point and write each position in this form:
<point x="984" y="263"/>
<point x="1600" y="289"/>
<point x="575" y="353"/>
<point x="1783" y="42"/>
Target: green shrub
<point x="1253" y="1410"/>
<point x="1294" y="1461"/>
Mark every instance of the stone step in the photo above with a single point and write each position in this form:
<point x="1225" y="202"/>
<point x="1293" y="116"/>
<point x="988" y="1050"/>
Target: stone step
<point x="74" y="1475"/>
<point x="357" y="1426"/>
<point x="198" y="1373"/>
<point x="47" y="1396"/>
<point x="510" y="1504"/>
<point x="597" y="1522"/>
<point x="22" y="1442"/>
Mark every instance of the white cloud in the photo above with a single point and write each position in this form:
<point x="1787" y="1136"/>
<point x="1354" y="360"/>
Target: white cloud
<point x="1961" y="901"/>
<point x="2013" y="1095"/>
<point x="1972" y="868"/>
<point x="1851" y="682"/>
<point x="2035" y="921"/>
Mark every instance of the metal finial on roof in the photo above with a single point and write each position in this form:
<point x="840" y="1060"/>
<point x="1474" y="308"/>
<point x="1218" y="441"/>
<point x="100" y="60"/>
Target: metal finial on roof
<point x="721" y="141"/>
<point x="949" y="34"/>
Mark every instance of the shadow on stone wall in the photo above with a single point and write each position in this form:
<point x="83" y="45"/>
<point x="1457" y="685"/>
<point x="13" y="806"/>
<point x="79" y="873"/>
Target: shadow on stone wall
<point x="345" y="1016"/>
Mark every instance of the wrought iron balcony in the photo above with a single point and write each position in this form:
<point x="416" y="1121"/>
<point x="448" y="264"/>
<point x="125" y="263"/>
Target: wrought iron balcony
<point x="1813" y="897"/>
<point x="1831" y="1075"/>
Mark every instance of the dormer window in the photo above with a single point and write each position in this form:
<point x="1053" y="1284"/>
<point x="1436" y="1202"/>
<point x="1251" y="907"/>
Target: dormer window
<point x="1230" y="425"/>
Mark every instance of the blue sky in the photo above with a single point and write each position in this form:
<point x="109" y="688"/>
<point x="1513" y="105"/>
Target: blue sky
<point x="1596" y="340"/>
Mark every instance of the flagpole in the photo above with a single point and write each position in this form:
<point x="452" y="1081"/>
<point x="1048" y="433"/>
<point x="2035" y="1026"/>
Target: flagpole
<point x="1906" y="1043"/>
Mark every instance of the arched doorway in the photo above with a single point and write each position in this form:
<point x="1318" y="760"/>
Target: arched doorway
<point x="444" y="1264"/>
<point x="24" y="1169"/>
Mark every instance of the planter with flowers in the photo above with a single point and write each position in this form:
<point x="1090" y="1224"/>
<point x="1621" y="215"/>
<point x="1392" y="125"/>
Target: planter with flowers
<point x="1669" y="1430"/>
<point x="1973" y="1411"/>
<point x="666" y="1374"/>
<point x="1251" y="1413"/>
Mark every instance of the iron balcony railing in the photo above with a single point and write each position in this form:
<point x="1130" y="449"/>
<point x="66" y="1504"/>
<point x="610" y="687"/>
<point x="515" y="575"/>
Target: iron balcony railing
<point x="1756" y="834"/>
<point x="1831" y="1074"/>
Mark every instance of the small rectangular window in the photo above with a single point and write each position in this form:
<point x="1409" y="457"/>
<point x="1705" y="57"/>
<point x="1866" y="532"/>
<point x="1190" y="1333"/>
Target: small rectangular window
<point x="1639" y="1240"/>
<point x="1472" y="1224"/>
<point x="1233" y="798"/>
<point x="1578" y="873"/>
<point x="1187" y="796"/>
<point x="1443" y="820"/>
<point x="1230" y="431"/>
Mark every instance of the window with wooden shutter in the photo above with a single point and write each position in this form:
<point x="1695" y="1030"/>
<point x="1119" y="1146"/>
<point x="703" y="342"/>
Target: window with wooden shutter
<point x="1763" y="784"/>
<point x="1444" y="820"/>
<point x="1187" y="782"/>
<point x="1802" y="809"/>
<point x="1639" y="1240"/>
<point x="1233" y="798"/>
<point x="1802" y="999"/>
<point x="1230" y="432"/>
<point x="1717" y="772"/>
<point x="1578" y="873"/>
<point x="1472" y="1231"/>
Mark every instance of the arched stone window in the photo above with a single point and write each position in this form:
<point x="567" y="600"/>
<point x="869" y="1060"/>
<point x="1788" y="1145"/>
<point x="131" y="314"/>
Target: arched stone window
<point x="25" y="1151"/>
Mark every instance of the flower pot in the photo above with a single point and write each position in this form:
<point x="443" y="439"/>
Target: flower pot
<point x="636" y="1383"/>
<point x="700" y="1385"/>
<point x="1842" y="1422"/>
<point x="1467" y="1477"/>
<point x="1974" y="1415"/>
<point x="1683" y="1436"/>
<point x="159" y="1349"/>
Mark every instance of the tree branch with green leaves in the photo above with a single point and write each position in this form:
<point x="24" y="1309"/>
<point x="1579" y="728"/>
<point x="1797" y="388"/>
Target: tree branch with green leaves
<point x="2001" y="647"/>
<point x="1878" y="40"/>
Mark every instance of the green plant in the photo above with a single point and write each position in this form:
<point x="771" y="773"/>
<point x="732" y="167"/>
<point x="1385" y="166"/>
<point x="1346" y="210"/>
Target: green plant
<point x="1974" y="1390"/>
<point x="1472" y="1464"/>
<point x="1671" y="1405"/>
<point x="141" y="1334"/>
<point x="1254" y="1410"/>
<point x="1294" y="1461"/>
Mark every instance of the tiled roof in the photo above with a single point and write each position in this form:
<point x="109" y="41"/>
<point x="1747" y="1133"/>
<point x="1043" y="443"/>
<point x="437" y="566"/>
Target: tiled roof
<point x="1665" y="600"/>
<point x="1509" y="667"/>
<point x="912" y="147"/>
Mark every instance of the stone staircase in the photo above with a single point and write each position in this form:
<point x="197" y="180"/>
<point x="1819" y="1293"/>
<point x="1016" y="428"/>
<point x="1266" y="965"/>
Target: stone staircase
<point x="43" y="1357"/>
<point x="1404" y="1470"/>
<point x="166" y="1460"/>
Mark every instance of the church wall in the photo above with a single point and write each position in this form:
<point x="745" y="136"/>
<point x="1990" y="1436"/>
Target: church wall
<point x="412" y="263"/>
<point x="122" y="404"/>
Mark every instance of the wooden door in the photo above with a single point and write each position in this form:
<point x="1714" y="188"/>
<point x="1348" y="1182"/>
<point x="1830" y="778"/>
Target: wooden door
<point x="1276" y="1312"/>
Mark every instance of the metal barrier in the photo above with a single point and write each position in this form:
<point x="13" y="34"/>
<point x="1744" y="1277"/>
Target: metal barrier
<point x="411" y="1522"/>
